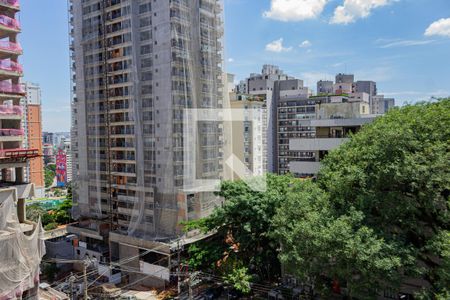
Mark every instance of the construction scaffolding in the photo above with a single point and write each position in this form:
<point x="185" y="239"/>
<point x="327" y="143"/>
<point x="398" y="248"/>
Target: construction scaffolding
<point x="20" y="254"/>
<point x="21" y="244"/>
<point x="137" y="65"/>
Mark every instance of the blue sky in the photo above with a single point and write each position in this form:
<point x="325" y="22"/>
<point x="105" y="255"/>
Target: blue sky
<point x="381" y="40"/>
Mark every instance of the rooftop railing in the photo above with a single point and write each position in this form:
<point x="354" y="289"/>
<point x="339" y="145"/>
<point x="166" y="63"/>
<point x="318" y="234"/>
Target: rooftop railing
<point x="11" y="132"/>
<point x="10" y="88"/>
<point x="10" y="46"/>
<point x="11" y="110"/>
<point x="9" y="22"/>
<point x="14" y="3"/>
<point x="9" y="65"/>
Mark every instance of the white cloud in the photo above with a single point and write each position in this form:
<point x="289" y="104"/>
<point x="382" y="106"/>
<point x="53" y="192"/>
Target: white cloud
<point x="295" y="10"/>
<point x="352" y="10"/>
<point x="440" y="27"/>
<point x="406" y="43"/>
<point x="230" y="60"/>
<point x="305" y="44"/>
<point x="337" y="65"/>
<point x="277" y="46"/>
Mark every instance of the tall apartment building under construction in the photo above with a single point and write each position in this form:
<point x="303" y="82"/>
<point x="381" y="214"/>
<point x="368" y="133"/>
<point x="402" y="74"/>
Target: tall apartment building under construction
<point x="137" y="66"/>
<point x="21" y="244"/>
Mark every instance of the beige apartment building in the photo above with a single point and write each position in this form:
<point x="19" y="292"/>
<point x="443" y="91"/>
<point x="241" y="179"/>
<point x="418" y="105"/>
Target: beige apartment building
<point x="249" y="134"/>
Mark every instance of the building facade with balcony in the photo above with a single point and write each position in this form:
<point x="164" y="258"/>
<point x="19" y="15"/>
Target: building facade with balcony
<point x="308" y="127"/>
<point x="21" y="245"/>
<point x="332" y="124"/>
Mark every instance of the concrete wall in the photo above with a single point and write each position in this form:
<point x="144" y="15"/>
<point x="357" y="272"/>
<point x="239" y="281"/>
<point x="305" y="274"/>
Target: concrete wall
<point x="304" y="167"/>
<point x="315" y="144"/>
<point x="342" y="110"/>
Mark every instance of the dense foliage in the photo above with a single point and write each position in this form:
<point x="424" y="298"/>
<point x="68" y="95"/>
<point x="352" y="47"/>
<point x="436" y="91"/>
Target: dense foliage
<point x="242" y="244"/>
<point x="49" y="175"/>
<point x="377" y="215"/>
<point x="379" y="212"/>
<point x="53" y="218"/>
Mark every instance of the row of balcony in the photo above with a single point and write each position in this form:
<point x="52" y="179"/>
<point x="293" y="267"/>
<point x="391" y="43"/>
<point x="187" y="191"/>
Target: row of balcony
<point x="11" y="66"/>
<point x="13" y="3"/>
<point x="11" y="88"/>
<point x="11" y="132"/>
<point x="9" y="22"/>
<point x="10" y="46"/>
<point x="11" y="110"/>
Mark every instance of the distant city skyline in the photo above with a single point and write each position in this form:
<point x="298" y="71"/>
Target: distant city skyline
<point x="311" y="40"/>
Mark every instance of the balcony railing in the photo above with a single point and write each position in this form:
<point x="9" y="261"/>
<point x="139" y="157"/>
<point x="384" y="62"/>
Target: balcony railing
<point x="11" y="132"/>
<point x="19" y="153"/>
<point x="10" y="46"/>
<point x="9" y="22"/>
<point x="14" y="3"/>
<point x="10" y="88"/>
<point x="11" y="110"/>
<point x="9" y="65"/>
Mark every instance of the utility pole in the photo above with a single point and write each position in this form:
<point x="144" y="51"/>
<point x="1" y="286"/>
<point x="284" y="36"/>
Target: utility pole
<point x="193" y="280"/>
<point x="85" y="265"/>
<point x="71" y="280"/>
<point x="179" y="268"/>
<point x="190" y="287"/>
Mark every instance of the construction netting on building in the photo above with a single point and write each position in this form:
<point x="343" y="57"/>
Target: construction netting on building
<point x="20" y="254"/>
<point x="138" y="66"/>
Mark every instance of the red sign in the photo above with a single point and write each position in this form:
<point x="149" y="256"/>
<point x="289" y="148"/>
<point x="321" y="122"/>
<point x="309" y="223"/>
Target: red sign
<point x="61" y="168"/>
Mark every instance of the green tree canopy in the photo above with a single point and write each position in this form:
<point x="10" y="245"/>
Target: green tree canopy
<point x="318" y="245"/>
<point x="34" y="211"/>
<point x="49" y="175"/>
<point x="380" y="207"/>
<point x="242" y="227"/>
